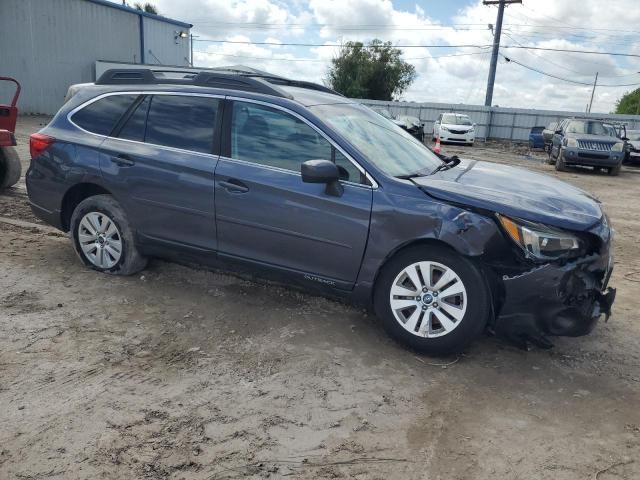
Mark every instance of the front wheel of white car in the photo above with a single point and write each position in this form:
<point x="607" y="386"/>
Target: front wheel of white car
<point x="432" y="299"/>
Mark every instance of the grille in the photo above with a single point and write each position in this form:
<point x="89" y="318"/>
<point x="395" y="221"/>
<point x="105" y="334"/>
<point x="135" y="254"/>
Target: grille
<point x="597" y="146"/>
<point x="592" y="155"/>
<point x="458" y="132"/>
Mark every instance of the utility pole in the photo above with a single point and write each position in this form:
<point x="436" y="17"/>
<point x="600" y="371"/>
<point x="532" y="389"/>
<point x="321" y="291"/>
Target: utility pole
<point x="191" y="37"/>
<point x="592" y="92"/>
<point x="496" y="46"/>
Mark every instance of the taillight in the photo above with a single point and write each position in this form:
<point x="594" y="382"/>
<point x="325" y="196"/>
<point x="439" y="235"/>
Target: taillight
<point x="38" y="143"/>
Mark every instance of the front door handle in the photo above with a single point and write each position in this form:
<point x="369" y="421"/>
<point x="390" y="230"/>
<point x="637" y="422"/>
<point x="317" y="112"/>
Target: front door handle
<point x="234" y="186"/>
<point x="123" y="160"/>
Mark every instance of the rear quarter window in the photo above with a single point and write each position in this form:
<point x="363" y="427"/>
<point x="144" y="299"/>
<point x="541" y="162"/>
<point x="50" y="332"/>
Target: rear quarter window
<point x="102" y="115"/>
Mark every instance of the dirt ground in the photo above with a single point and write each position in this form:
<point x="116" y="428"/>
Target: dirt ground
<point x="188" y="374"/>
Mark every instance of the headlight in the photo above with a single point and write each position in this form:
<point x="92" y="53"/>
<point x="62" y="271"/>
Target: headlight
<point x="617" y="147"/>
<point x="444" y="128"/>
<point x="571" y="142"/>
<point x="471" y="130"/>
<point x="540" y="241"/>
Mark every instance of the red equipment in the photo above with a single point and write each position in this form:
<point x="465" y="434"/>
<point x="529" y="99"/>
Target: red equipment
<point x="10" y="168"/>
<point x="9" y="113"/>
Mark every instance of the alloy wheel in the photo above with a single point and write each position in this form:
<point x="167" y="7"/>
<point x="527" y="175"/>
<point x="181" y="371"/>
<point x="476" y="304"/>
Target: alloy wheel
<point x="428" y="299"/>
<point x="100" y="240"/>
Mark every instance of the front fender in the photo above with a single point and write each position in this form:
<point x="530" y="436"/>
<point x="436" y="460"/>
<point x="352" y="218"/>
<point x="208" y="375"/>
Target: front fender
<point x="398" y="221"/>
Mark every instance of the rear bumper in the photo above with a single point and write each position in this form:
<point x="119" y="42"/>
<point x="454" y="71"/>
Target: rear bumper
<point x="556" y="300"/>
<point x="53" y="218"/>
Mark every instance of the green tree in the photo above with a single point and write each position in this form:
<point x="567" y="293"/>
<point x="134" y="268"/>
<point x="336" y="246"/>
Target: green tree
<point x="147" y="7"/>
<point x="375" y="71"/>
<point x="629" y="103"/>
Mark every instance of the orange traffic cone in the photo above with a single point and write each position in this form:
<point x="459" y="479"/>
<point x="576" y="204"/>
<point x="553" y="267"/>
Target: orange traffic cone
<point x="437" y="147"/>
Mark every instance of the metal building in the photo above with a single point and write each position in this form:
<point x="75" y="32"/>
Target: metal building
<point x="50" y="44"/>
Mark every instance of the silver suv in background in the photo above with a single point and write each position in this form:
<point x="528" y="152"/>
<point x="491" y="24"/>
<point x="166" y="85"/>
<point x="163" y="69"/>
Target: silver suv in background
<point x="586" y="142"/>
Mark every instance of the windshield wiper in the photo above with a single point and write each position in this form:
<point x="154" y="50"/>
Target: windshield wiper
<point x="447" y="163"/>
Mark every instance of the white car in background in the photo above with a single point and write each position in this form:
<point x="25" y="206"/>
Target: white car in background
<point x="454" y="127"/>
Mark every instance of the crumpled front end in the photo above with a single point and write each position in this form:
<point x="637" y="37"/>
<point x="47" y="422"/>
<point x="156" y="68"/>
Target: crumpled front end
<point x="557" y="299"/>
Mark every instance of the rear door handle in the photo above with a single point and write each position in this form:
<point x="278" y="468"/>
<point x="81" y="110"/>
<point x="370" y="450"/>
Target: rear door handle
<point x="234" y="186"/>
<point x="123" y="161"/>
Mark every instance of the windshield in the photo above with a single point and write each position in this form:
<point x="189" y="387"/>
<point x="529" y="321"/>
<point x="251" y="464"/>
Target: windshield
<point x="455" y="119"/>
<point x="591" y="128"/>
<point x="611" y="131"/>
<point x="385" y="145"/>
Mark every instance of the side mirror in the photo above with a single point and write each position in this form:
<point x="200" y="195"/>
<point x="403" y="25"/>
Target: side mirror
<point x="323" y="171"/>
<point x="559" y="132"/>
<point x="624" y="139"/>
<point x="474" y="124"/>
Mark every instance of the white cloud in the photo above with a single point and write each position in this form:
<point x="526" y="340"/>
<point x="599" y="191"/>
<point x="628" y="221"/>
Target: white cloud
<point x="569" y="24"/>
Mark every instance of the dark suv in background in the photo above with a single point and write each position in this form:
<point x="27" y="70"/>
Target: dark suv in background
<point x="586" y="142"/>
<point x="290" y="179"/>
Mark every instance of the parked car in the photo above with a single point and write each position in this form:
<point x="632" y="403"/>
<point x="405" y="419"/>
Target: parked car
<point x="586" y="142"/>
<point x="454" y="127"/>
<point x="548" y="133"/>
<point x="293" y="181"/>
<point x="633" y="146"/>
<point x="413" y="125"/>
<point x="536" y="139"/>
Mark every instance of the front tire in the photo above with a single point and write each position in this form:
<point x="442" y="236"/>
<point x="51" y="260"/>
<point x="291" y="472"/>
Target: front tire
<point x="615" y="171"/>
<point x="432" y="300"/>
<point x="560" y="165"/>
<point x="103" y="238"/>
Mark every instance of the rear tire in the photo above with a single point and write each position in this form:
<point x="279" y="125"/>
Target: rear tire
<point x="10" y="168"/>
<point x="103" y="238"/>
<point x="436" y="324"/>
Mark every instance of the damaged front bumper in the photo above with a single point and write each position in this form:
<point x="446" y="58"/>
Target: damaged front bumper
<point x="556" y="299"/>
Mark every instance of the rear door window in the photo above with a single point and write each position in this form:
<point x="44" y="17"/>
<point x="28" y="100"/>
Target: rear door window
<point x="181" y="121"/>
<point x="102" y="115"/>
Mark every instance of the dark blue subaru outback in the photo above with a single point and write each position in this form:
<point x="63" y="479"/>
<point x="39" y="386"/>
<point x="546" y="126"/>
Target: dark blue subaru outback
<point x="293" y="181"/>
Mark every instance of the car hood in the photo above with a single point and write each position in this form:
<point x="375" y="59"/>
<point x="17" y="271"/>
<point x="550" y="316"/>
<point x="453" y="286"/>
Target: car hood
<point x="515" y="192"/>
<point x="453" y="126"/>
<point x="593" y="138"/>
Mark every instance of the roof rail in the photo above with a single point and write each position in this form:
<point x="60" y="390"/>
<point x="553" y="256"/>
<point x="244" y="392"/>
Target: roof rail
<point x="145" y="76"/>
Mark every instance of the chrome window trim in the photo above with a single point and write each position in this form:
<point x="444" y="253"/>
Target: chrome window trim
<point x="141" y="92"/>
<point x="374" y="184"/>
<point x="286" y="170"/>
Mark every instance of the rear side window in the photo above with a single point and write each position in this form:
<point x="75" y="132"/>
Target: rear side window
<point x="102" y="115"/>
<point x="180" y="121"/>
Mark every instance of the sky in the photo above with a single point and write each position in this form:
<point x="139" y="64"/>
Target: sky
<point x="457" y="71"/>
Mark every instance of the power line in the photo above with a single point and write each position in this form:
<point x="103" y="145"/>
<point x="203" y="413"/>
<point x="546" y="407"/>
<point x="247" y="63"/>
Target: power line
<point x="482" y="26"/>
<point x="278" y="44"/>
<point x="526" y="47"/>
<point x="557" y="77"/>
<point x="311" y="60"/>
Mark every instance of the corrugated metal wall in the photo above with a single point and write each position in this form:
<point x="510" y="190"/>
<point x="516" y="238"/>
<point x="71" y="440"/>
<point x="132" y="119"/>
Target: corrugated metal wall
<point x="161" y="46"/>
<point x="50" y="44"/>
<point x="495" y="122"/>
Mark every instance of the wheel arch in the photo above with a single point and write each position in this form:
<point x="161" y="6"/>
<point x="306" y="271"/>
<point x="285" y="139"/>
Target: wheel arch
<point x="73" y="196"/>
<point x="491" y="283"/>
